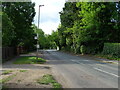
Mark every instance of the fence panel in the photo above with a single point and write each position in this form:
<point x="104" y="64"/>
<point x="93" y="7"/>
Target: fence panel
<point x="8" y="53"/>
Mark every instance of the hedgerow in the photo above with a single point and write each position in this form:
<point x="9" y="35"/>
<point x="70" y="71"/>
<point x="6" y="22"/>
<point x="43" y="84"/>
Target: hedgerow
<point x="112" y="49"/>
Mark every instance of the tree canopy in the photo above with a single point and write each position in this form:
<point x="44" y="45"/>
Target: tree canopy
<point x="88" y="24"/>
<point x="17" y="21"/>
<point x="84" y="25"/>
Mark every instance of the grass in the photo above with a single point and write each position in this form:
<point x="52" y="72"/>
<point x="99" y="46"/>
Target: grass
<point x="7" y="72"/>
<point x="108" y="57"/>
<point x="23" y="70"/>
<point x="48" y="79"/>
<point x="29" y="60"/>
<point x="4" y="80"/>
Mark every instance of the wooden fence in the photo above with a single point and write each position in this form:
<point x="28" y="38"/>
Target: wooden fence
<point x="8" y="53"/>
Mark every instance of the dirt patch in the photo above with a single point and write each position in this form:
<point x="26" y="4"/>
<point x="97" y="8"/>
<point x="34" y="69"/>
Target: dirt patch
<point x="25" y="75"/>
<point x="26" y="79"/>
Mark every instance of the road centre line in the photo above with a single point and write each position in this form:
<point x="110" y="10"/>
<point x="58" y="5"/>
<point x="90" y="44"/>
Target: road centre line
<point x="106" y="72"/>
<point x="114" y="68"/>
<point x="75" y="61"/>
<point x="99" y="69"/>
<point x="78" y="62"/>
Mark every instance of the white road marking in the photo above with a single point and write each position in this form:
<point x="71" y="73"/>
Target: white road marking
<point x="86" y="60"/>
<point x="75" y="61"/>
<point x="98" y="69"/>
<point x="106" y="72"/>
<point x="78" y="62"/>
<point x="114" y="68"/>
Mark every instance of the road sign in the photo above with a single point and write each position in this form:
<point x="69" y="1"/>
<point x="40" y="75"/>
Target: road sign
<point x="35" y="37"/>
<point x="38" y="46"/>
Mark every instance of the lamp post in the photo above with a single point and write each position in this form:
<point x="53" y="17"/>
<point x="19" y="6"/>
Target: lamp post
<point x="39" y="14"/>
<point x="37" y="33"/>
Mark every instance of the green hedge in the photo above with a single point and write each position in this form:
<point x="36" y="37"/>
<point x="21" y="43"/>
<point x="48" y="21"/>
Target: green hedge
<point x="112" y="49"/>
<point x="89" y="49"/>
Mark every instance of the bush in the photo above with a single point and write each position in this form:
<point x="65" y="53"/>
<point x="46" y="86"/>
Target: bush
<point x="83" y="49"/>
<point x="90" y="50"/>
<point x="76" y="49"/>
<point x="92" y="47"/>
<point x="112" y="49"/>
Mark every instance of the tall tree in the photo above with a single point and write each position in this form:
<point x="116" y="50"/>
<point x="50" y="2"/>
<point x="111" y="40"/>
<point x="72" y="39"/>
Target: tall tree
<point x="7" y="30"/>
<point x="21" y="15"/>
<point x="88" y="23"/>
<point x="68" y="16"/>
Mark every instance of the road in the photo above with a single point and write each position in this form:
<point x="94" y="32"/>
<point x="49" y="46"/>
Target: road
<point x="82" y="72"/>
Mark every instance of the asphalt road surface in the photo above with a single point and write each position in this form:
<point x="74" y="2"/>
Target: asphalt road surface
<point x="82" y="72"/>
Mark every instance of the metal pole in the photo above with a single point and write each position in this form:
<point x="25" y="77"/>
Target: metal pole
<point x="37" y="33"/>
<point x="38" y="16"/>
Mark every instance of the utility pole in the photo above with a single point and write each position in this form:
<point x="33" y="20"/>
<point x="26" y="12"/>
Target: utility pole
<point x="37" y="33"/>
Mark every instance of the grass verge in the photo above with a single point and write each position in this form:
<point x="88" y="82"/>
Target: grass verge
<point x="7" y="72"/>
<point x="108" y="57"/>
<point x="23" y="70"/>
<point x="48" y="79"/>
<point x="4" y="80"/>
<point x="29" y="60"/>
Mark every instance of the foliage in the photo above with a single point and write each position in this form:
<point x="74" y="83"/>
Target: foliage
<point x="29" y="60"/>
<point x="55" y="39"/>
<point x="43" y="39"/>
<point x="112" y="49"/>
<point x="17" y="21"/>
<point x="83" y="49"/>
<point x="84" y="28"/>
<point x="7" y="30"/>
<point x="88" y="24"/>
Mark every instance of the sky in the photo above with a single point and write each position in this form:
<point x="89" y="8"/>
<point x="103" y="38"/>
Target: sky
<point x="49" y="14"/>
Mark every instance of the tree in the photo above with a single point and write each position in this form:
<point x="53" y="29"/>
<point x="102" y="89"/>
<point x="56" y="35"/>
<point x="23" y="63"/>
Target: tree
<point x="7" y="30"/>
<point x="21" y="15"/>
<point x="55" y="38"/>
<point x="68" y="17"/>
<point x="96" y="24"/>
<point x="43" y="39"/>
<point x="88" y="24"/>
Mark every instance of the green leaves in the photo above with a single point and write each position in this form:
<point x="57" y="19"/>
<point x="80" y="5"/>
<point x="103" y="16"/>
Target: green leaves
<point x="20" y="16"/>
<point x="112" y="49"/>
<point x="89" y="24"/>
<point x="16" y="25"/>
<point x="7" y="30"/>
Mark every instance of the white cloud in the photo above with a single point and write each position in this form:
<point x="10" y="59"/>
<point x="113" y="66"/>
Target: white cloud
<point x="49" y="14"/>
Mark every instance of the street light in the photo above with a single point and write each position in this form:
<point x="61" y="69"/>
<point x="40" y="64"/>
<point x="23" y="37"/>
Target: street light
<point x="39" y="14"/>
<point x="37" y="33"/>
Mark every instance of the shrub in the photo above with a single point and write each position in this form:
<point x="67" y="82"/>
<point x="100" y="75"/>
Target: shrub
<point x="83" y="49"/>
<point x="112" y="49"/>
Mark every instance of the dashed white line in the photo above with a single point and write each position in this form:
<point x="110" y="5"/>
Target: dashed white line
<point x="114" y="68"/>
<point x="99" y="69"/>
<point x="75" y="61"/>
<point x="106" y="72"/>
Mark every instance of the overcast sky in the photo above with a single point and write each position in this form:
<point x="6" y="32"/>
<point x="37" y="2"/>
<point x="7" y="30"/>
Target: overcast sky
<point x="49" y="14"/>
